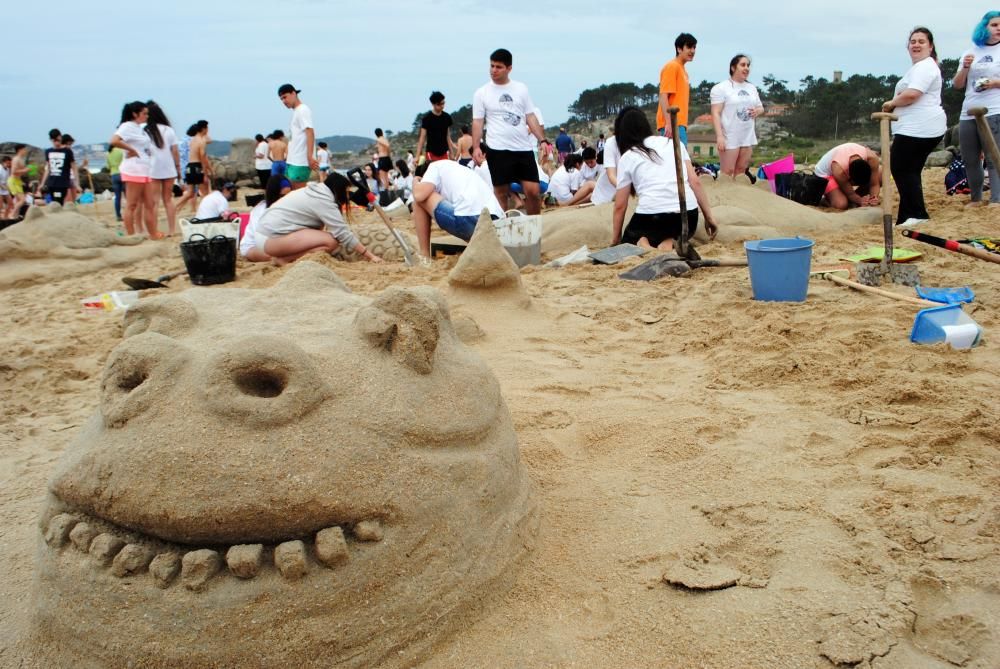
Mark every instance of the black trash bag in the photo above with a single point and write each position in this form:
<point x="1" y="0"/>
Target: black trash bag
<point x="209" y="261"/>
<point x="801" y="187"/>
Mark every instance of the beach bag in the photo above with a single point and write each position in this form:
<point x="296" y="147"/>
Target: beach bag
<point x="801" y="187"/>
<point x="209" y="228"/>
<point x="209" y="261"/>
<point x="955" y="181"/>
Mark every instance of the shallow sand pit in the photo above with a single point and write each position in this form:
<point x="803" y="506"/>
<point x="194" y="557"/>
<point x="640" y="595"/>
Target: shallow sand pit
<point x="313" y="493"/>
<point x="57" y="240"/>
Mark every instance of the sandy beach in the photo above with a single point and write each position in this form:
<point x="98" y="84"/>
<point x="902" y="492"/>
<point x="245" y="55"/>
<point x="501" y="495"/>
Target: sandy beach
<point x="828" y="487"/>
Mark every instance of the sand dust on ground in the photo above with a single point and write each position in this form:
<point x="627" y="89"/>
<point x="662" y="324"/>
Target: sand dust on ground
<point x="722" y="482"/>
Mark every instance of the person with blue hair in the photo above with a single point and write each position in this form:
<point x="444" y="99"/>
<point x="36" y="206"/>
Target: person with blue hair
<point x="979" y="74"/>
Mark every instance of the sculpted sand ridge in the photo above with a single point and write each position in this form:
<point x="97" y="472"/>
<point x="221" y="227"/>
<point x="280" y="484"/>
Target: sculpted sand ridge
<point x="304" y="488"/>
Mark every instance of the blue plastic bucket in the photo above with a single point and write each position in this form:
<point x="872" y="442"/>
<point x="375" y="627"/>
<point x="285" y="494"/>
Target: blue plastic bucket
<point x="779" y="268"/>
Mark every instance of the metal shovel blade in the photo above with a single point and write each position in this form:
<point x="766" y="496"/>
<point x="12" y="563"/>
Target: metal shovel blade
<point x="873" y="274"/>
<point x="665" y="265"/>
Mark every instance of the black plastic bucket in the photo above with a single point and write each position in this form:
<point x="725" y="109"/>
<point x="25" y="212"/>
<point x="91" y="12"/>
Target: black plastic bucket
<point x="209" y="261"/>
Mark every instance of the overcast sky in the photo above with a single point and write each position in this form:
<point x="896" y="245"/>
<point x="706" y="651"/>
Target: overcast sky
<point x="360" y="65"/>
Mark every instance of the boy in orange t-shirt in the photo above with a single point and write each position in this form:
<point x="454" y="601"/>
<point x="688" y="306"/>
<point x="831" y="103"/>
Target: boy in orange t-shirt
<point x="675" y="89"/>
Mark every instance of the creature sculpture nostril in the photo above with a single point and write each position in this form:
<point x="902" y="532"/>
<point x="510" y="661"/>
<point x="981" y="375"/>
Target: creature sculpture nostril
<point x="133" y="380"/>
<point x="259" y="382"/>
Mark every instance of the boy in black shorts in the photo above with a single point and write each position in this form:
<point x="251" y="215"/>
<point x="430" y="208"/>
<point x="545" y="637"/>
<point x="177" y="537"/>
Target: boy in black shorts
<point x="504" y="107"/>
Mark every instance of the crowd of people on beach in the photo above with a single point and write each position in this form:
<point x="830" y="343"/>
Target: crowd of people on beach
<point x="504" y="160"/>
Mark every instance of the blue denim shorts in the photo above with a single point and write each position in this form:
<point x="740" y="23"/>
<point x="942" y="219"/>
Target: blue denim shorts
<point x="460" y="226"/>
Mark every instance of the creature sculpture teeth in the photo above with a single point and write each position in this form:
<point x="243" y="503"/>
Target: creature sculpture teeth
<point x="104" y="548"/>
<point x="331" y="547"/>
<point x="290" y="559"/>
<point x="164" y="568"/>
<point x="59" y="529"/>
<point x="368" y="530"/>
<point x="197" y="567"/>
<point x="131" y="560"/>
<point x="81" y="536"/>
<point x="244" y="560"/>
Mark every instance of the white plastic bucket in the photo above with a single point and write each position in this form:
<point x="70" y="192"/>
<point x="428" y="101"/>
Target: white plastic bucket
<point x="522" y="237"/>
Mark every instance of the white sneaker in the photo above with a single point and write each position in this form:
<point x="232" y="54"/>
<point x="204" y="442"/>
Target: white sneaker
<point x="911" y="223"/>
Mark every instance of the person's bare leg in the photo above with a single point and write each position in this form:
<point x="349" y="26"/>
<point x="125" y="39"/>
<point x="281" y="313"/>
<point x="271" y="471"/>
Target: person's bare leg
<point x="532" y="197"/>
<point x="291" y="247"/>
<point x="665" y="245"/>
<point x="167" y="195"/>
<point x="422" y="213"/>
<point x="256" y="255"/>
<point x="837" y="199"/>
<point x="503" y="196"/>
<point x="742" y="160"/>
<point x="133" y="207"/>
<point x="149" y="210"/>
<point x="643" y="243"/>
<point x="727" y="162"/>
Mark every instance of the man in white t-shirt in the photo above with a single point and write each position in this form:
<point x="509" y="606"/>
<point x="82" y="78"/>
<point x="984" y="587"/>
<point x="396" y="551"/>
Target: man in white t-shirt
<point x="566" y="184"/>
<point x="301" y="159"/>
<point x="589" y="169"/>
<point x="454" y="195"/>
<point x="261" y="162"/>
<point x="505" y="108"/>
<point x="216" y="203"/>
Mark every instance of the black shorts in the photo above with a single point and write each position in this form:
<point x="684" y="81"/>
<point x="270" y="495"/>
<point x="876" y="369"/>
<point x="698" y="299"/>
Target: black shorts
<point x="193" y="174"/>
<point x="384" y="163"/>
<point x="658" y="227"/>
<point x="507" y="167"/>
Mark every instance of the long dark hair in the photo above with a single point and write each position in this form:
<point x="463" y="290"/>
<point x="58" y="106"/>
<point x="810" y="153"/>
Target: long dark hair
<point x="156" y="118"/>
<point x="274" y="187"/>
<point x="631" y="130"/>
<point x="404" y="171"/>
<point x="340" y="186"/>
<point x="131" y="109"/>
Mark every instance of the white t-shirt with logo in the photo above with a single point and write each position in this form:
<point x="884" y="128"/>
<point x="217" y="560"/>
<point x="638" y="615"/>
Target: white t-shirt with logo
<point x="505" y="109"/>
<point x="462" y="187"/>
<point x="737" y="100"/>
<point x="212" y="205"/>
<point x="985" y="63"/>
<point x="133" y="135"/>
<point x="162" y="165"/>
<point x="655" y="181"/>
<point x="261" y="163"/>
<point x="604" y="191"/>
<point x="925" y="117"/>
<point x="298" y="152"/>
<point x="563" y="183"/>
<point x="588" y="173"/>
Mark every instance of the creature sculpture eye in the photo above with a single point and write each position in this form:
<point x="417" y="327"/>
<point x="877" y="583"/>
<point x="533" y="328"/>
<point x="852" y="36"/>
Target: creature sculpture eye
<point x="263" y="380"/>
<point x="138" y="371"/>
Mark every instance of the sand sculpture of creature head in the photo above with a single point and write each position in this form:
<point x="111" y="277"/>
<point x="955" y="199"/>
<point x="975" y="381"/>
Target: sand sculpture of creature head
<point x="294" y="476"/>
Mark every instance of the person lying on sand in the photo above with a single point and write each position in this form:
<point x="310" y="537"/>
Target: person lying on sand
<point x="310" y="219"/>
<point x="454" y="195"/>
<point x="647" y="164"/>
<point x="853" y="176"/>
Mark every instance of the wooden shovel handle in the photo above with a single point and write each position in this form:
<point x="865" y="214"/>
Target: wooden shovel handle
<point x="878" y="291"/>
<point x="952" y="245"/>
<point x="985" y="134"/>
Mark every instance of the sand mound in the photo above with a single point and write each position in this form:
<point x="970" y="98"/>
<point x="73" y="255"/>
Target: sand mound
<point x="75" y="243"/>
<point x="741" y="210"/>
<point x="485" y="269"/>
<point x="750" y="212"/>
<point x="313" y="494"/>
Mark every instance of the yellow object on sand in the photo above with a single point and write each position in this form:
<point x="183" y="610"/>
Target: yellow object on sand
<point x="878" y="252"/>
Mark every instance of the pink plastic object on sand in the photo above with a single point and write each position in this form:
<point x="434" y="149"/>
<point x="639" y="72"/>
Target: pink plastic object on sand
<point x="780" y="166"/>
<point x="244" y="221"/>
